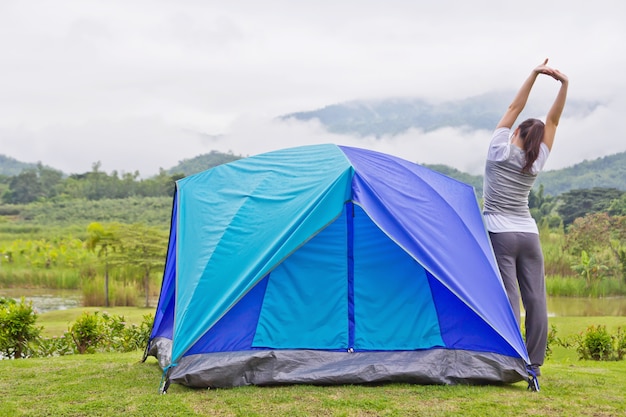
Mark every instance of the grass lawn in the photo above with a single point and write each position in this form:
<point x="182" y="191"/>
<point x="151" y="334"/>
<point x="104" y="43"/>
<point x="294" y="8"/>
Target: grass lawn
<point x="119" y="384"/>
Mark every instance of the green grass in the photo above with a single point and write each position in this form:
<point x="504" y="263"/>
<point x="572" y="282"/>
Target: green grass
<point x="119" y="384"/>
<point x="13" y="277"/>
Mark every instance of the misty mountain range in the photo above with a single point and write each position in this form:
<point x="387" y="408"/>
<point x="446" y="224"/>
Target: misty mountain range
<point x="395" y="116"/>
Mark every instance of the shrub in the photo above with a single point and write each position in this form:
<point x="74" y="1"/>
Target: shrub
<point x="598" y="344"/>
<point x="590" y="268"/>
<point x="87" y="332"/>
<point x="620" y="339"/>
<point x="17" y="328"/>
<point x="552" y="340"/>
<point x="55" y="346"/>
<point x="120" y="337"/>
<point x="94" y="332"/>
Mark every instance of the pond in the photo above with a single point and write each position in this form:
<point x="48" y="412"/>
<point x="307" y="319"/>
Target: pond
<point x="573" y="306"/>
<point x="47" y="300"/>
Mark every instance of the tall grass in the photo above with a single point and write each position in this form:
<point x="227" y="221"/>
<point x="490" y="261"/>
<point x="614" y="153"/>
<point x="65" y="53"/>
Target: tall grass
<point x="557" y="260"/>
<point x="67" y="279"/>
<point x="559" y="286"/>
<point x="120" y="294"/>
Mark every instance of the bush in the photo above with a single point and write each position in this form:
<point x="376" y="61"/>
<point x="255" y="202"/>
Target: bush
<point x="55" y="346"/>
<point x="121" y="337"/>
<point x="620" y="341"/>
<point x="87" y="332"/>
<point x="94" y="332"/>
<point x="598" y="344"/>
<point x="17" y="328"/>
<point x="552" y="340"/>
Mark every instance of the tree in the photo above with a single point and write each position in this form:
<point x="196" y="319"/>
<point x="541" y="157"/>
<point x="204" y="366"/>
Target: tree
<point x="578" y="203"/>
<point x="50" y="179"/>
<point x="103" y="240"/>
<point x="542" y="208"/>
<point x="145" y="248"/>
<point x="589" y="233"/>
<point x="162" y="184"/>
<point x="32" y="185"/>
<point x="599" y="233"/>
<point x="24" y="188"/>
<point x="618" y="206"/>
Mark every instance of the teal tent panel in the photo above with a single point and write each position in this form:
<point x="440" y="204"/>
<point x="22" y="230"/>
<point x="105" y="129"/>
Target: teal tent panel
<point x="393" y="305"/>
<point x="305" y="304"/>
<point x="228" y="240"/>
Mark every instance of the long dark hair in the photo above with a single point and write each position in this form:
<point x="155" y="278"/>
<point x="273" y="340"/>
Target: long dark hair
<point x="531" y="132"/>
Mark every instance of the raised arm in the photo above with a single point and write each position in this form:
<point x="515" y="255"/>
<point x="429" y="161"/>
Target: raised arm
<point x="519" y="102"/>
<point x="554" y="114"/>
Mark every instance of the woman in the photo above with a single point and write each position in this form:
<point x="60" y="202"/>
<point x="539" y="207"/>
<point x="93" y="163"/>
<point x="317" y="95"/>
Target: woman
<point x="513" y="162"/>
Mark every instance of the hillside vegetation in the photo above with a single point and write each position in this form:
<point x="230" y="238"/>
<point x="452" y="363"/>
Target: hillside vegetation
<point x="202" y="162"/>
<point x="606" y="172"/>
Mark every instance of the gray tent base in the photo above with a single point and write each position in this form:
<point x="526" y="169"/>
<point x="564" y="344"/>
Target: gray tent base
<point x="314" y="367"/>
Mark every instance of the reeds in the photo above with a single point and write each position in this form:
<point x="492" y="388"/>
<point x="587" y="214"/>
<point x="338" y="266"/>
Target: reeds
<point x="560" y="286"/>
<point x="120" y="294"/>
<point x="68" y="279"/>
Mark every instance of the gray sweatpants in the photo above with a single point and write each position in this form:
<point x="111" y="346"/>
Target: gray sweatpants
<point x="520" y="261"/>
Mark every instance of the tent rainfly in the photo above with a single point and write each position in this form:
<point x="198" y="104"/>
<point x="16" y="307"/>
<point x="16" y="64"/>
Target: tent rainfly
<point x="328" y="264"/>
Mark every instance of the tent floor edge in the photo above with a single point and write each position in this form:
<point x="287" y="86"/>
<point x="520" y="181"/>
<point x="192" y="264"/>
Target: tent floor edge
<point x="160" y="348"/>
<point x="288" y="367"/>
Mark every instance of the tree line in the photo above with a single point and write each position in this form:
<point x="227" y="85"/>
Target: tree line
<point x="44" y="183"/>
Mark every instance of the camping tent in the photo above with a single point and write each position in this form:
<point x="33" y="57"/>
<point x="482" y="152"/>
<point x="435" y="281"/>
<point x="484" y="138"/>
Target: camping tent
<point x="328" y="264"/>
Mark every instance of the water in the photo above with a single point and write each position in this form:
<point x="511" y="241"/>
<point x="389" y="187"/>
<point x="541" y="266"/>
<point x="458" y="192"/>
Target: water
<point x="45" y="300"/>
<point x="575" y="307"/>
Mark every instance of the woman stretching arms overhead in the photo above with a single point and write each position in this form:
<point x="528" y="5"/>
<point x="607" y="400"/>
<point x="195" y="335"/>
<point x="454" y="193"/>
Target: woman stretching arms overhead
<point x="514" y="159"/>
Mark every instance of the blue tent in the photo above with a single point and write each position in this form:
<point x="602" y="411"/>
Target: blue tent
<point x="328" y="264"/>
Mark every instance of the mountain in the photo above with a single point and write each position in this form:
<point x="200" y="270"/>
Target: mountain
<point x="202" y="162"/>
<point x="10" y="167"/>
<point x="397" y="115"/>
<point x="606" y="172"/>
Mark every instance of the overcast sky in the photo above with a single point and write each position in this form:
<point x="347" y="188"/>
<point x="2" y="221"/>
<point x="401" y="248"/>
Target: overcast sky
<point x="143" y="84"/>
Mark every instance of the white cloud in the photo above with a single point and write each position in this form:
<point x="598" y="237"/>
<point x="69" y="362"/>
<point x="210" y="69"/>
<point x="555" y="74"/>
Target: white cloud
<point x="127" y="82"/>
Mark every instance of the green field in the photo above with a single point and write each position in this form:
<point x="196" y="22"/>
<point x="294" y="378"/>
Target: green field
<point x="114" y="384"/>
